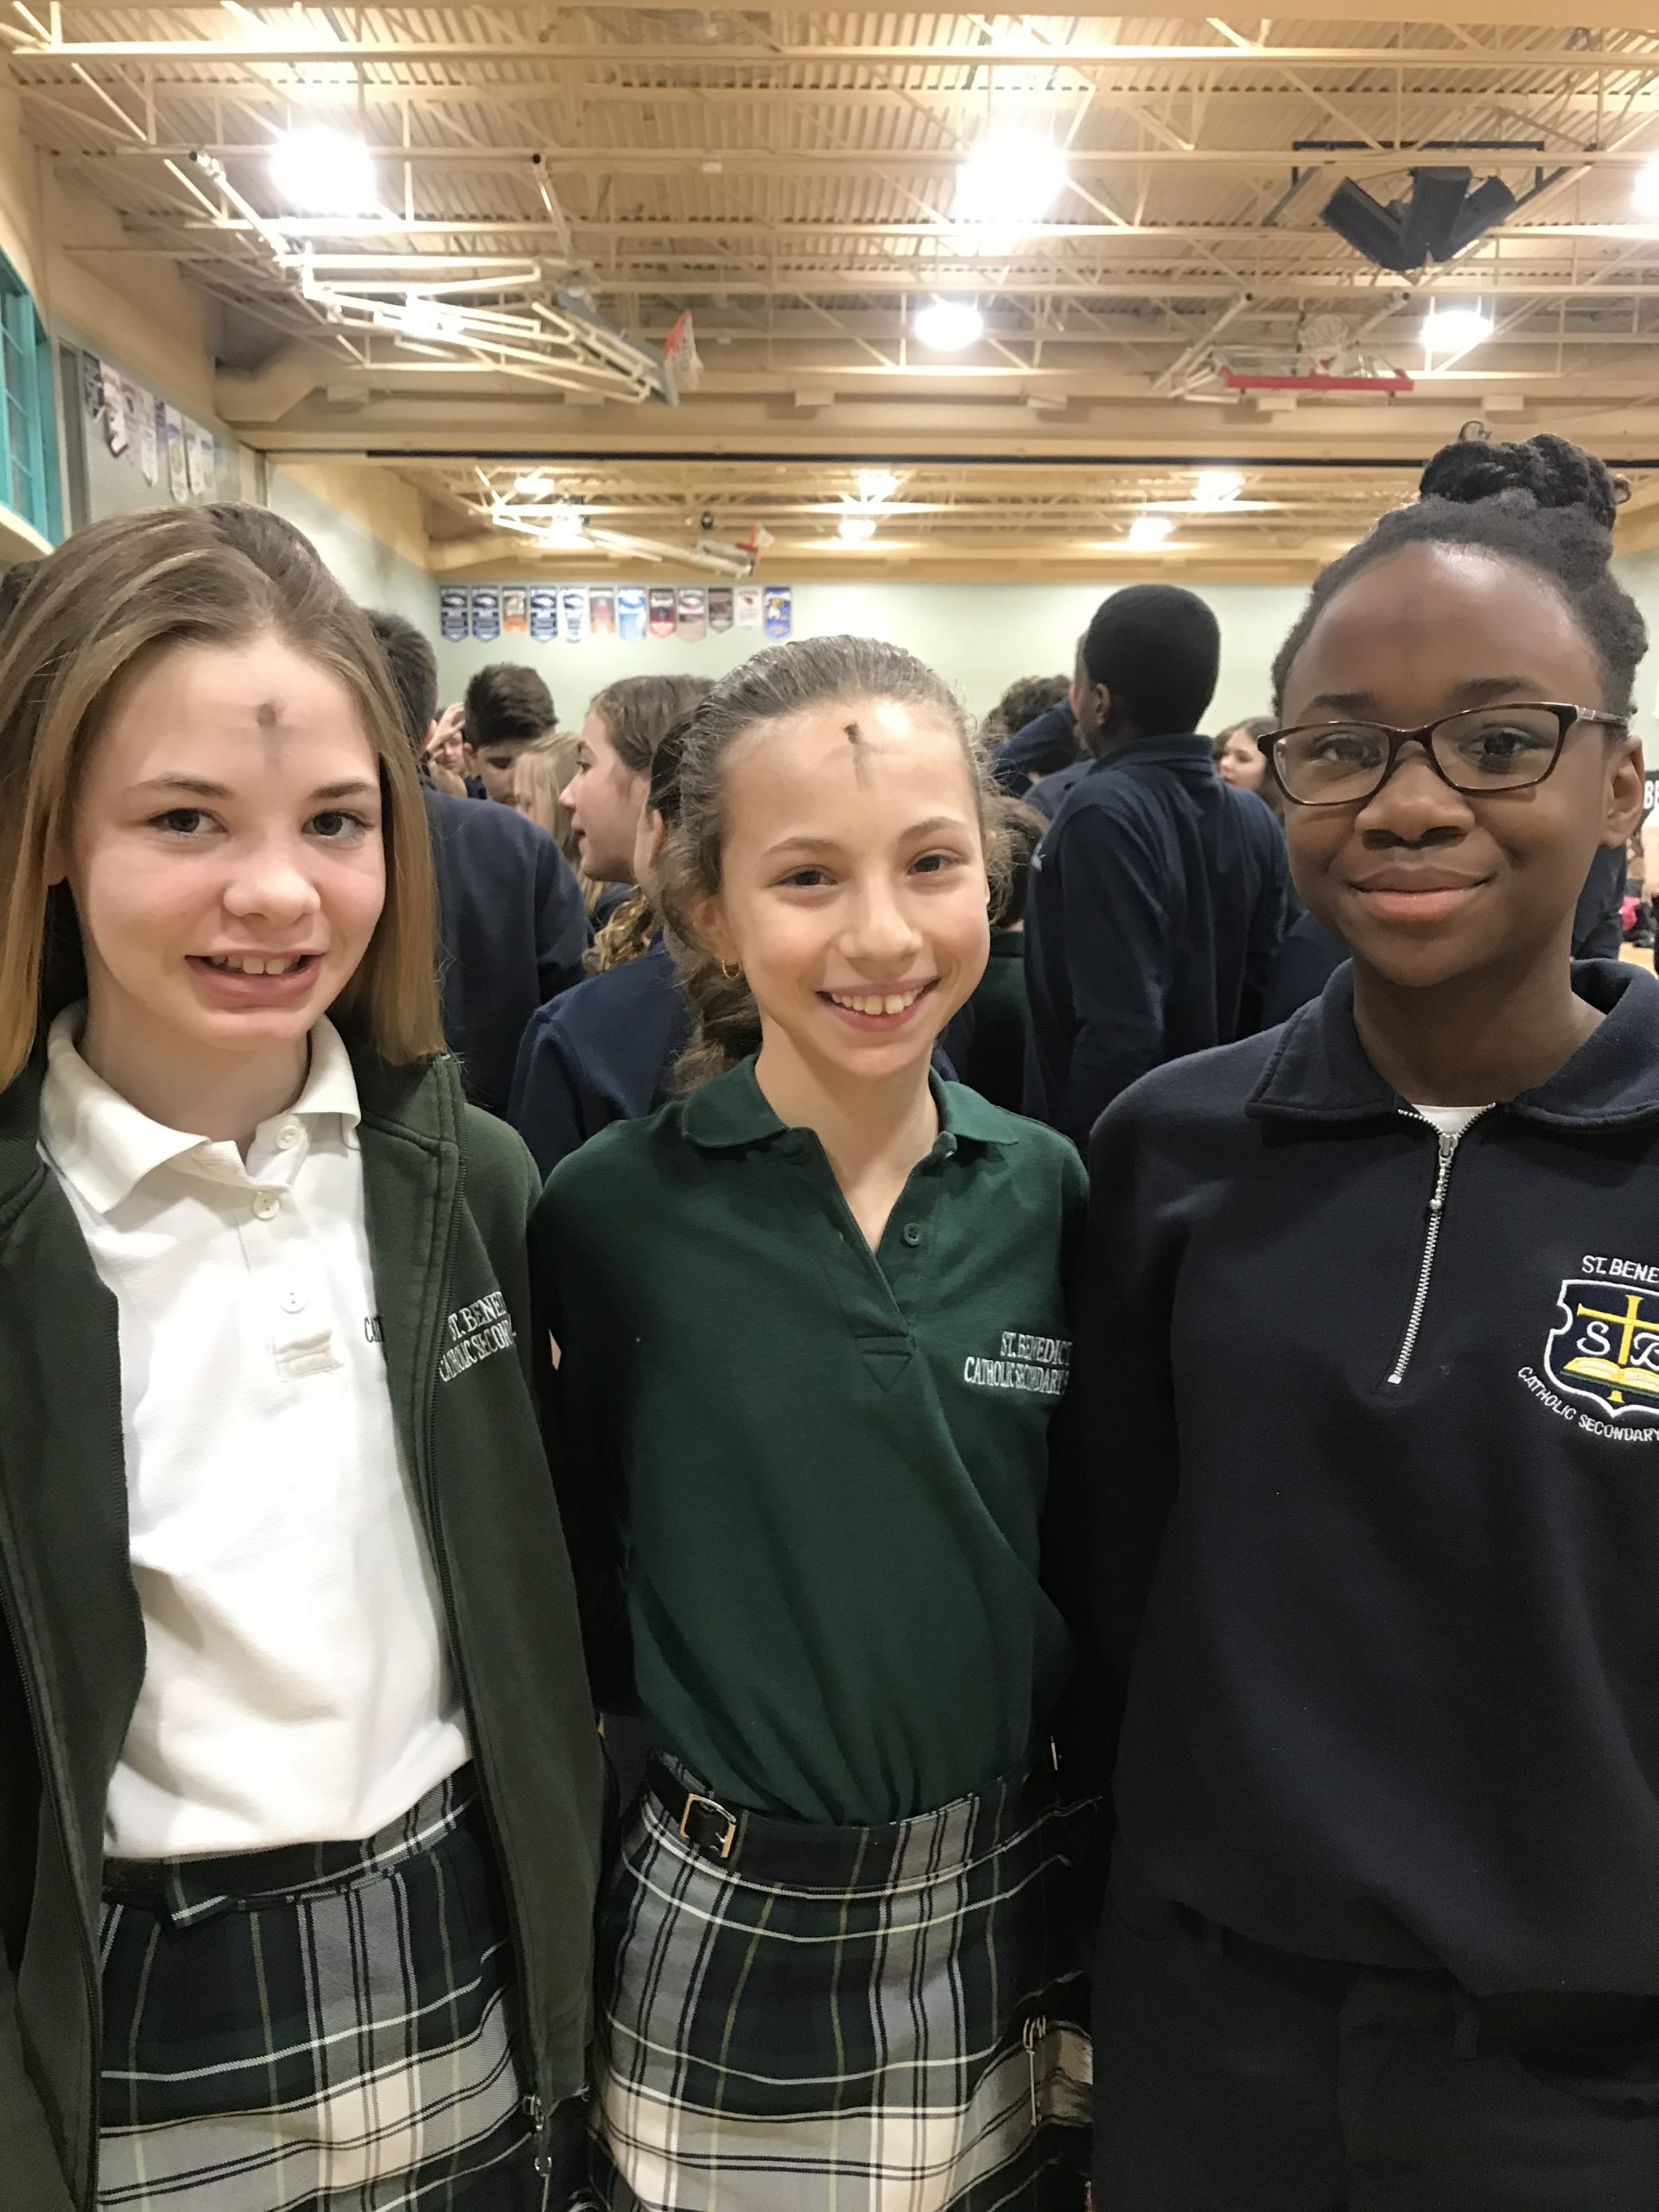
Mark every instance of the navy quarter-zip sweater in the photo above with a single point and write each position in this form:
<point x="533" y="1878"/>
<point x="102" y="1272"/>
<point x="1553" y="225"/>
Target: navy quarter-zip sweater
<point x="602" y="1052"/>
<point x="1363" y="1512"/>
<point x="513" y="930"/>
<point x="1156" y="905"/>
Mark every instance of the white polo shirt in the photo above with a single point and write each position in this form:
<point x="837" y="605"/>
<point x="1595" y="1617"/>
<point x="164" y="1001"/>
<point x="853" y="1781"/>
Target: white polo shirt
<point x="297" y="1685"/>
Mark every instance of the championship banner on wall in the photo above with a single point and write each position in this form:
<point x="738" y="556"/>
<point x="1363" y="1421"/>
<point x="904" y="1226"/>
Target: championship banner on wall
<point x="663" y="601"/>
<point x="201" y="463"/>
<point x="601" y="611"/>
<point x="780" y="613"/>
<point x="171" y="425"/>
<point x="749" y="606"/>
<point x="515" y="611"/>
<point x="694" y="610"/>
<point x="544" y="614"/>
<point x="573" y="613"/>
<point x="719" y="607"/>
<point x="487" y="613"/>
<point x="452" y="614"/>
<point x="630" y="612"/>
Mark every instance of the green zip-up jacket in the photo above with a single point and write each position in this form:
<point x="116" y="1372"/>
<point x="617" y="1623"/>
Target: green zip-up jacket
<point x="448" y="1192"/>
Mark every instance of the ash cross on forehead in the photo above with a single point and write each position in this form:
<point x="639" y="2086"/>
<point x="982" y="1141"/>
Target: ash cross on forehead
<point x="854" y="737"/>
<point x="269" y="715"/>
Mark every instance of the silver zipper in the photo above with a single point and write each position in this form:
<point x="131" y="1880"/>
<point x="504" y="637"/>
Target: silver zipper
<point x="1448" y="1147"/>
<point x="1032" y="2033"/>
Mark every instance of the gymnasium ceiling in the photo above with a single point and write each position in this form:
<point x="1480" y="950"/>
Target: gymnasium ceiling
<point x="546" y="175"/>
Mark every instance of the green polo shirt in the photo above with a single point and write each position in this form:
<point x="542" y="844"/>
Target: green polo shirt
<point x="821" y="1468"/>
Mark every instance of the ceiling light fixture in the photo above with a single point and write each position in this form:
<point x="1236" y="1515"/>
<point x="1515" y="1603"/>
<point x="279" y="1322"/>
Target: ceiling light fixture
<point x="1217" y="487"/>
<point x="857" y="530"/>
<point x="1646" y="191"/>
<point x="324" y="172"/>
<point x="948" y="326"/>
<point x="1150" y="530"/>
<point x="1455" y="329"/>
<point x="875" y="485"/>
<point x="1011" y="177"/>
<point x="533" y="487"/>
<point x="565" y="526"/>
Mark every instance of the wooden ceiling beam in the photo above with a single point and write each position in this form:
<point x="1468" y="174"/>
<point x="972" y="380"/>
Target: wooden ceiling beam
<point x="1481" y="58"/>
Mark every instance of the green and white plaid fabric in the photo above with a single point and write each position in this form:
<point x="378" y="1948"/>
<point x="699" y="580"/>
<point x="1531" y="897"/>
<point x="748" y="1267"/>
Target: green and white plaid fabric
<point x="846" y="2020"/>
<point x="322" y="2029"/>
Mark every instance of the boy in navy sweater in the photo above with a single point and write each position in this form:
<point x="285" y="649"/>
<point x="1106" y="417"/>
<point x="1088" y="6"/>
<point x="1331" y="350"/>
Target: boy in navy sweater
<point x="513" y="931"/>
<point x="1366" y="1414"/>
<point x="1157" y="899"/>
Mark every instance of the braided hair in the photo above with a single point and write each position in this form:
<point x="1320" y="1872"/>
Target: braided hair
<point x="1547" y="504"/>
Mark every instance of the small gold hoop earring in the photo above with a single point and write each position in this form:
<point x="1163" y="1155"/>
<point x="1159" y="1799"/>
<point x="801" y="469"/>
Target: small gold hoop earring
<point x="732" y="973"/>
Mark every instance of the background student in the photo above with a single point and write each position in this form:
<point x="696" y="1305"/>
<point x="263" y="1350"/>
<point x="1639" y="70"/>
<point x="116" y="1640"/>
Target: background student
<point x="507" y="707"/>
<point x="513" y="927"/>
<point x="812" y="1321"/>
<point x="1157" y="899"/>
<point x="292" y="1891"/>
<point x="1366" y="1411"/>
<point x="987" y="1042"/>
<point x="1043" y="745"/>
<point x="607" y="1050"/>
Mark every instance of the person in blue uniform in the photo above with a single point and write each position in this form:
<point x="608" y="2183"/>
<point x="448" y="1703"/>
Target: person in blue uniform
<point x="513" y="928"/>
<point x="605" y="1051"/>
<point x="1364" y="1438"/>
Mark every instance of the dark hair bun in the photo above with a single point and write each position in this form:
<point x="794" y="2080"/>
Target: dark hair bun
<point x="1556" y="472"/>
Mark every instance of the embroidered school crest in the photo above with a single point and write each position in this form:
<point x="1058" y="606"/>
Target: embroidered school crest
<point x="1606" y="1349"/>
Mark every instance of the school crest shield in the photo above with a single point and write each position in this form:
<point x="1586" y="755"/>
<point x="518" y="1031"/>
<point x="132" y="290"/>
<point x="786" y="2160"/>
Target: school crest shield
<point x="1606" y="1351"/>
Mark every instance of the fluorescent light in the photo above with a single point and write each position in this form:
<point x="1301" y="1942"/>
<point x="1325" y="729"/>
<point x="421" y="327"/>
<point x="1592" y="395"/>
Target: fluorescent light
<point x="1011" y="177"/>
<point x="1455" y="330"/>
<point x="875" y="485"/>
<point x="1646" y="194"/>
<point x="857" y="530"/>
<point x="565" y="525"/>
<point x="1150" y="530"/>
<point x="1217" y="487"/>
<point x="324" y="172"/>
<point x="948" y="326"/>
<point x="424" y="317"/>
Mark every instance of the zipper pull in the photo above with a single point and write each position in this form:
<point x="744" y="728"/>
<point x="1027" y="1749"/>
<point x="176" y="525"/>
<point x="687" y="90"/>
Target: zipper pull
<point x="1032" y="2033"/>
<point x="541" y="2145"/>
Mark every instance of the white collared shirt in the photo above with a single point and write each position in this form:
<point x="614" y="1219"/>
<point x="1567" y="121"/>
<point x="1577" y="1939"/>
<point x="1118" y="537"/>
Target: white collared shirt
<point x="297" y="1687"/>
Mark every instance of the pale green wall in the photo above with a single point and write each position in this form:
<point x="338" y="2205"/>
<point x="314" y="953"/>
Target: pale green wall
<point x="980" y="636"/>
<point x="375" y="576"/>
<point x="1640" y="575"/>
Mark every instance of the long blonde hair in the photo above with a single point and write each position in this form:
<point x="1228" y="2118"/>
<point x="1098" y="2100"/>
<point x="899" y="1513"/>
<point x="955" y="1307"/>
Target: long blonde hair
<point x="112" y="597"/>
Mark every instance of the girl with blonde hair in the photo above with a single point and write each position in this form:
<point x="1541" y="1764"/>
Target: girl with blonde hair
<point x="280" y="1578"/>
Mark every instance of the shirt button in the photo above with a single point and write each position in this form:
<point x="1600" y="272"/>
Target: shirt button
<point x="288" y="1135"/>
<point x="266" y="1206"/>
<point x="912" y="1233"/>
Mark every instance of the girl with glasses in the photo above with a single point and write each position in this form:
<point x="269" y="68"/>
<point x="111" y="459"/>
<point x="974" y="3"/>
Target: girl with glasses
<point x="1362" y="1448"/>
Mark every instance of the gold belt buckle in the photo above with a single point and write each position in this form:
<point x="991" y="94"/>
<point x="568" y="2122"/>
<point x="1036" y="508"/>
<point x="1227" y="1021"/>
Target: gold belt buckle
<point x="728" y="1836"/>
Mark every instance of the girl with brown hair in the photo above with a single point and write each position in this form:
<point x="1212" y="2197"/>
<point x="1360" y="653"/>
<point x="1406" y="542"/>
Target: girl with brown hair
<point x="605" y="1051"/>
<point x="278" y="1566"/>
<point x="627" y="722"/>
<point x="812" y="1320"/>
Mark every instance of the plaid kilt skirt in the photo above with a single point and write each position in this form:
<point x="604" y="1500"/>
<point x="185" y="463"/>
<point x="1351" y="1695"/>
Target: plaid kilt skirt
<point x="322" y="2028"/>
<point x="886" y="2019"/>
